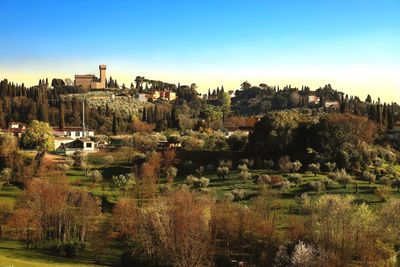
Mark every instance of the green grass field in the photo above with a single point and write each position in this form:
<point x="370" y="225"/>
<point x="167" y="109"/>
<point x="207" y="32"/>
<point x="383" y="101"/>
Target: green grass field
<point x="14" y="254"/>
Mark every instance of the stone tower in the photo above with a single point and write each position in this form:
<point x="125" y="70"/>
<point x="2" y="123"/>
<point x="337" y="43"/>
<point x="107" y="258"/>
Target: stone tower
<point x="102" y="69"/>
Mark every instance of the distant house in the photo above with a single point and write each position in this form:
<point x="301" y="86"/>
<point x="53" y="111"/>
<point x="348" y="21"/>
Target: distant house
<point x="69" y="145"/>
<point x="170" y="144"/>
<point x="313" y="99"/>
<point x="332" y="104"/>
<point x="73" y="132"/>
<point x="230" y="130"/>
<point x="143" y="97"/>
<point x="167" y="95"/>
<point x="16" y="128"/>
<point x="60" y="142"/>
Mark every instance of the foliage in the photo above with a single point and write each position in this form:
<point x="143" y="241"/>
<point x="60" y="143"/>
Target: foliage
<point x="38" y="135"/>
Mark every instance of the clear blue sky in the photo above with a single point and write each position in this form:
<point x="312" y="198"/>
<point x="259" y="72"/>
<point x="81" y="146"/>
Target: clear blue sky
<point x="352" y="44"/>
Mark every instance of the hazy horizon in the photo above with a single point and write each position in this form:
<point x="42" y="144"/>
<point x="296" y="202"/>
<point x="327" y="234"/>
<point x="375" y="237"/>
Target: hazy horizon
<point x="352" y="46"/>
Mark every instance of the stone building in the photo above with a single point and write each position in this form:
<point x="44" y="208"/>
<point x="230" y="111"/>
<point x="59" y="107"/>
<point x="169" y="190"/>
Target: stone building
<point x="90" y="81"/>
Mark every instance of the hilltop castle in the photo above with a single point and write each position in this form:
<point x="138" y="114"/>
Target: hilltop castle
<point x="90" y="81"/>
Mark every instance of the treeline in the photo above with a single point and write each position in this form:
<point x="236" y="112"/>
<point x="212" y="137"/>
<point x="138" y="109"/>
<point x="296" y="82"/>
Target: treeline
<point x="163" y="116"/>
<point x="255" y="100"/>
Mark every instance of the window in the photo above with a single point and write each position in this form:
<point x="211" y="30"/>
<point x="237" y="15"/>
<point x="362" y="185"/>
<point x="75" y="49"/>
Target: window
<point x="77" y="133"/>
<point x="88" y="144"/>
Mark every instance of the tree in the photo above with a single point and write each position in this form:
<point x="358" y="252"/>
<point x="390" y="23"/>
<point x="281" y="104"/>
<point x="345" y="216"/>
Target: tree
<point x="176" y="230"/>
<point x="8" y="147"/>
<point x="95" y="176"/>
<point x="285" y="165"/>
<point x="6" y="211"/>
<point x="6" y="175"/>
<point x="314" y="168"/>
<point x="368" y="176"/>
<point x="245" y="85"/>
<point x="114" y="125"/>
<point x="124" y="182"/>
<point x="78" y="159"/>
<point x="24" y="227"/>
<point x="331" y="166"/>
<point x="38" y="135"/>
<point x="296" y="178"/>
<point x="222" y="172"/>
<point x="396" y="184"/>
<point x="61" y="123"/>
<point x="171" y="174"/>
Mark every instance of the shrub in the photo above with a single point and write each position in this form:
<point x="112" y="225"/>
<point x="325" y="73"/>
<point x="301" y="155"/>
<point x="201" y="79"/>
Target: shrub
<point x="331" y="166"/>
<point x="390" y="170"/>
<point x="242" y="168"/>
<point x="314" y="168"/>
<point x="228" y="196"/>
<point x="296" y="178"/>
<point x="238" y="194"/>
<point x="222" y="172"/>
<point x="210" y="168"/>
<point x="71" y="250"/>
<point x="368" y="176"/>
<point x="277" y="179"/>
<point x="316" y="186"/>
<point x="284" y="185"/>
<point x="396" y="184"/>
<point x="204" y="182"/>
<point x="378" y="162"/>
<point x="264" y="179"/>
<point x="328" y="183"/>
<point x="386" y="181"/>
<point x="296" y="166"/>
<point x="268" y="164"/>
<point x="245" y="175"/>
<point x="198" y="183"/>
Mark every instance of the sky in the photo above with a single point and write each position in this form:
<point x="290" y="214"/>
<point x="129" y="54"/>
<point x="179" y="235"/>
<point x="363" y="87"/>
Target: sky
<point x="354" y="45"/>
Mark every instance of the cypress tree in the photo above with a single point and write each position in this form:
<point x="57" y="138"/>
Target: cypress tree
<point x="114" y="125"/>
<point x="144" y="117"/>
<point x="61" y="122"/>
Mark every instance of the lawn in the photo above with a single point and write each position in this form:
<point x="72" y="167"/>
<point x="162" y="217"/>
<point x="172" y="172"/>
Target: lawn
<point x="9" y="194"/>
<point x="14" y="254"/>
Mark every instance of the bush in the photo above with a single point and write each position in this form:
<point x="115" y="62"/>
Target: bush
<point x="386" y="181"/>
<point x="341" y="177"/>
<point x="264" y="179"/>
<point x="368" y="176"/>
<point x="378" y="162"/>
<point x="268" y="164"/>
<point x="277" y="179"/>
<point x="284" y="185"/>
<point x="314" y="168"/>
<point x="296" y="178"/>
<point x="242" y="168"/>
<point x="71" y="250"/>
<point x="316" y="186"/>
<point x="198" y="183"/>
<point x="245" y="175"/>
<point x="238" y="194"/>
